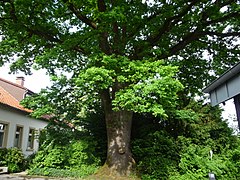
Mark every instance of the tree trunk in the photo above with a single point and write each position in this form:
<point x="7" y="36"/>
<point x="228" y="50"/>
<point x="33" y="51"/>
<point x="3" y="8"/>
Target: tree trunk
<point x="119" y="160"/>
<point x="119" y="156"/>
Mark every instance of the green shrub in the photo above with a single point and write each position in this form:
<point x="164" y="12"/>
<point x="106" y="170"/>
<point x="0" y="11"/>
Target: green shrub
<point x="50" y="157"/>
<point x="195" y="163"/>
<point x="81" y="153"/>
<point x="156" y="156"/>
<point x="76" y="159"/>
<point x="3" y="153"/>
<point x="14" y="159"/>
<point x="29" y="160"/>
<point x="179" y="148"/>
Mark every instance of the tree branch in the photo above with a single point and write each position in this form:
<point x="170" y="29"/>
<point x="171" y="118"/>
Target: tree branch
<point x="106" y="100"/>
<point x="116" y="36"/>
<point x="80" y="16"/>
<point x="224" y="18"/>
<point x="186" y="40"/>
<point x="42" y="34"/>
<point x="103" y="43"/>
<point x="101" y="5"/>
<point x="195" y="36"/>
<point x="169" y="23"/>
<point x="197" y="33"/>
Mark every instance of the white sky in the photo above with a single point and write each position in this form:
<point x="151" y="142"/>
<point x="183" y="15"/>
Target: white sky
<point x="229" y="113"/>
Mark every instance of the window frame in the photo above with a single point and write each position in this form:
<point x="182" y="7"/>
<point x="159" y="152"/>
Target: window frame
<point x="19" y="145"/>
<point x="31" y="136"/>
<point x="5" y="134"/>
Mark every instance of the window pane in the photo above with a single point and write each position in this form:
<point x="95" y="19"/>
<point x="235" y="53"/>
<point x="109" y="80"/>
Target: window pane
<point x="1" y="138"/>
<point x="31" y="139"/>
<point x="2" y="134"/>
<point x="18" y="137"/>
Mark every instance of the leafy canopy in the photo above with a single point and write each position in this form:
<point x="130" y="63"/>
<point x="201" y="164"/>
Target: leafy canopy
<point x="62" y="35"/>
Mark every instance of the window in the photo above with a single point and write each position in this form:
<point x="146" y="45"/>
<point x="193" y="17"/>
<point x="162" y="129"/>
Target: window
<point x="3" y="134"/>
<point x="30" y="144"/>
<point x="18" y="137"/>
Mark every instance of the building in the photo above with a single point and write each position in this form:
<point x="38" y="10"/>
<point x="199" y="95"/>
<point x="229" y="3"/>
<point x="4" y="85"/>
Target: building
<point x="17" y="128"/>
<point x="225" y="87"/>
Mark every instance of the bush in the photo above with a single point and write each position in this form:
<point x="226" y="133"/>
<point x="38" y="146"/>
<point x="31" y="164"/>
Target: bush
<point x="179" y="148"/>
<point x="156" y="155"/>
<point x="76" y="159"/>
<point x="195" y="163"/>
<point x="81" y="153"/>
<point x="53" y="157"/>
<point x="3" y="153"/>
<point x="13" y="158"/>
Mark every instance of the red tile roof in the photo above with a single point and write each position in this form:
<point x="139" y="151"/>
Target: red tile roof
<point x="8" y="99"/>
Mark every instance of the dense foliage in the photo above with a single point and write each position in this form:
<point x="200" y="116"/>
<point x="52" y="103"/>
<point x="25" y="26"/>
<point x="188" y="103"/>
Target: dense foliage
<point x="62" y="154"/>
<point x="180" y="148"/>
<point x="132" y="56"/>
<point x="13" y="158"/>
<point x="73" y="160"/>
<point x="174" y="148"/>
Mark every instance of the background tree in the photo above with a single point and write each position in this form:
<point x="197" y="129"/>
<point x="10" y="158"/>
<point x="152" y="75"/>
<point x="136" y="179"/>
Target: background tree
<point x="178" y="148"/>
<point x="113" y="50"/>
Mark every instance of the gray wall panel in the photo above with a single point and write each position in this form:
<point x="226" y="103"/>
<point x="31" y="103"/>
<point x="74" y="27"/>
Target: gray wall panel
<point x="234" y="86"/>
<point x="226" y="91"/>
<point x="222" y="93"/>
<point x="213" y="98"/>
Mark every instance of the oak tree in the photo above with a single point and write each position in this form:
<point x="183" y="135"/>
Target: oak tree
<point x="123" y="52"/>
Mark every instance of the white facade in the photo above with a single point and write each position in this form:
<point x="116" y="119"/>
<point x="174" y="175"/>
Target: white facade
<point x="20" y="129"/>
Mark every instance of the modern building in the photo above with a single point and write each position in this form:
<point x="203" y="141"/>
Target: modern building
<point x="17" y="128"/>
<point x="226" y="87"/>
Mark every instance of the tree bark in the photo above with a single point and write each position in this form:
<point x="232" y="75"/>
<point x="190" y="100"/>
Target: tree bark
<point x="119" y="156"/>
<point x="119" y="160"/>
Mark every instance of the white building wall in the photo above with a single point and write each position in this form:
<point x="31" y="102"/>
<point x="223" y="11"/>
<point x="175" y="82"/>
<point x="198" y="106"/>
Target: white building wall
<point x="13" y="118"/>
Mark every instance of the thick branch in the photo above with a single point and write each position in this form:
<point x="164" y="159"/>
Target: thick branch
<point x="169" y="23"/>
<point x="42" y="34"/>
<point x="186" y="40"/>
<point x="116" y="35"/>
<point x="190" y="37"/>
<point x="101" y="5"/>
<point x="195" y="36"/>
<point x="106" y="100"/>
<point x="224" y="18"/>
<point x="80" y="16"/>
<point x="5" y="1"/>
<point x="103" y="43"/>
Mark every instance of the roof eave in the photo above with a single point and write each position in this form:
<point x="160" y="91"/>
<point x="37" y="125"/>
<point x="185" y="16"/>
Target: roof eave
<point x="223" y="78"/>
<point x="25" y="111"/>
